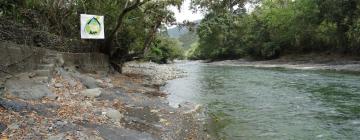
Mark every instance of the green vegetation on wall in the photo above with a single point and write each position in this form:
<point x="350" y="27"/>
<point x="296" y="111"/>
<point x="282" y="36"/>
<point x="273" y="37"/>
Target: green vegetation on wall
<point x="131" y="26"/>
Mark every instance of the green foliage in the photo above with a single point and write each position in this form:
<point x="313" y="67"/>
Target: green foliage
<point x="165" y="49"/>
<point x="276" y="27"/>
<point x="193" y="53"/>
<point x="132" y="32"/>
<point x="188" y="39"/>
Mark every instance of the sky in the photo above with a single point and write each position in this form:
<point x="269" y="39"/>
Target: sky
<point x="186" y="13"/>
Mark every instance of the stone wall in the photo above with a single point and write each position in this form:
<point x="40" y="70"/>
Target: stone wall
<point x="16" y="58"/>
<point x="24" y="34"/>
<point x="87" y="62"/>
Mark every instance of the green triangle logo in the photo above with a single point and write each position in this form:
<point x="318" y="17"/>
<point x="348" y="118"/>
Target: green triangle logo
<point x="93" y="26"/>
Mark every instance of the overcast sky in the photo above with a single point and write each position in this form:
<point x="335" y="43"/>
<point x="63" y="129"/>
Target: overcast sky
<point x="186" y="13"/>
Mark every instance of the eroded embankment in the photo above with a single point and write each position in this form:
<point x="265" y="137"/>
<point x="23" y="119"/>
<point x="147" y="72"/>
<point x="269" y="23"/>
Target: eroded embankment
<point x="58" y="99"/>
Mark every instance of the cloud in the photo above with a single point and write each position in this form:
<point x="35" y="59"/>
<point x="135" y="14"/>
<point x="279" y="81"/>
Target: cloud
<point x="185" y="13"/>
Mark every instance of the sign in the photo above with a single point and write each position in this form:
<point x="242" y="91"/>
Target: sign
<point x="92" y="27"/>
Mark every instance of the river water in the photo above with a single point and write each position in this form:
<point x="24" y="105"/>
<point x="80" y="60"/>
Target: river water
<point x="271" y="104"/>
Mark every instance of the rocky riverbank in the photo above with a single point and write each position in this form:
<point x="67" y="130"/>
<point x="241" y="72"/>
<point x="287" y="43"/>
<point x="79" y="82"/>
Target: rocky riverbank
<point x="301" y="62"/>
<point x="96" y="105"/>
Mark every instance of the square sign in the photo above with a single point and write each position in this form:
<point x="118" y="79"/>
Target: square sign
<point x="92" y="27"/>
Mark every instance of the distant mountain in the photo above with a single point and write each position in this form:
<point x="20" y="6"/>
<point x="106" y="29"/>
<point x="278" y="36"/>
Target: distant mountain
<point x="176" y="32"/>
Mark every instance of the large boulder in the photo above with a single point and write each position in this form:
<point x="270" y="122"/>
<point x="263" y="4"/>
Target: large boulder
<point x="87" y="81"/>
<point x="28" y="89"/>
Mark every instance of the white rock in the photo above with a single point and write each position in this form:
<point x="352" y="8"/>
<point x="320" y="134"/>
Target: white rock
<point x="14" y="126"/>
<point x="114" y="114"/>
<point x="59" y="85"/>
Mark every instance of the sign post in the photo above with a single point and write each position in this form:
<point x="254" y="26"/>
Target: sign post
<point x="92" y="27"/>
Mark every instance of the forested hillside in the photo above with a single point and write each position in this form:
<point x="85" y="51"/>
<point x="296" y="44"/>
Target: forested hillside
<point x="277" y="27"/>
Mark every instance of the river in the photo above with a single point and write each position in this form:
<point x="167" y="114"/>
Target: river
<point x="247" y="103"/>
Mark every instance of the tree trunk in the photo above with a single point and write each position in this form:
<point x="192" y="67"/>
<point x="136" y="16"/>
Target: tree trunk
<point x="151" y="37"/>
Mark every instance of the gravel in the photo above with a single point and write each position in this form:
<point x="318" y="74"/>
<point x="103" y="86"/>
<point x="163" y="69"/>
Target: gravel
<point x="158" y="73"/>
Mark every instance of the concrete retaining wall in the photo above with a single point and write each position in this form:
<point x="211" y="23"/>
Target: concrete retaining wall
<point x="16" y="58"/>
<point x="87" y="62"/>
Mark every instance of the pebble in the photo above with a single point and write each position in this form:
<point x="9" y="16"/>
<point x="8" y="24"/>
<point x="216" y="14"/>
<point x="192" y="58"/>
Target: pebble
<point x="14" y="126"/>
<point x="59" y="85"/>
<point x="61" y="123"/>
<point x="72" y="83"/>
<point x="60" y="136"/>
<point x="99" y="81"/>
<point x="32" y="75"/>
<point x="114" y="114"/>
<point x="91" y="93"/>
<point x="108" y="80"/>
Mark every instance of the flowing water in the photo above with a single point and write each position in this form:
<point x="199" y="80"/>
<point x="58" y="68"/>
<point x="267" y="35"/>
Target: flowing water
<point x="272" y="104"/>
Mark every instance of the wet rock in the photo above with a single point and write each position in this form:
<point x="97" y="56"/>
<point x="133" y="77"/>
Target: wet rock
<point x="91" y="93"/>
<point x="27" y="89"/>
<point x="114" y="114"/>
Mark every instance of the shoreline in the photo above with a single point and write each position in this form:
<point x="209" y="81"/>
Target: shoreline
<point x="301" y="62"/>
<point x="98" y="105"/>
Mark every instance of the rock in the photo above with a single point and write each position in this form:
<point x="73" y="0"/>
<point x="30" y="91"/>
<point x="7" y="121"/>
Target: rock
<point x="99" y="81"/>
<point x="88" y="81"/>
<point x="114" y="114"/>
<point x="60" y="136"/>
<point x="32" y="75"/>
<point x="27" y="89"/>
<point x="61" y="123"/>
<point x="30" y="121"/>
<point x="91" y="93"/>
<point x="108" y="80"/>
<point x="8" y="77"/>
<point x="44" y="109"/>
<point x="14" y="126"/>
<point x="72" y="83"/>
<point x="59" y="85"/>
<point x="2" y="89"/>
<point x="2" y="127"/>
